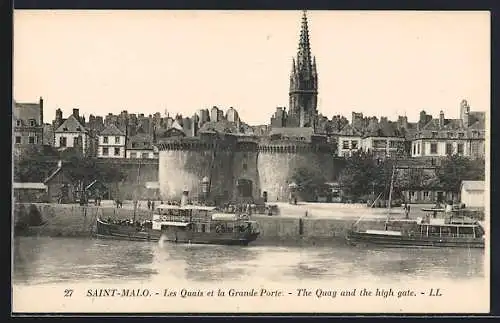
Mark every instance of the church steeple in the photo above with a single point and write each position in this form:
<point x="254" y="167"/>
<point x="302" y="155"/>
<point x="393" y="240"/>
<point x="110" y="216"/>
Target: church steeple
<point x="304" y="52"/>
<point x="303" y="82"/>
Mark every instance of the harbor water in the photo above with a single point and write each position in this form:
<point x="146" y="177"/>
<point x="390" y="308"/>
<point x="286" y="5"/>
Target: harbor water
<point x="45" y="260"/>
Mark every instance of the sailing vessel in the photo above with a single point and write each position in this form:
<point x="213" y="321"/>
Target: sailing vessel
<point x="430" y="231"/>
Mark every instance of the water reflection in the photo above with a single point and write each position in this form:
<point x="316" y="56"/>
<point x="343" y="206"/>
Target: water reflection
<point x="46" y="260"/>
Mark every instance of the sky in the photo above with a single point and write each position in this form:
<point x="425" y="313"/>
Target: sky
<point x="378" y="63"/>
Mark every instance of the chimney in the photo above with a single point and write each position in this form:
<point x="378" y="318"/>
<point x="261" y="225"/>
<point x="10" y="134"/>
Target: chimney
<point x="184" y="198"/>
<point x="76" y="113"/>
<point x="441" y="119"/>
<point x="40" y="102"/>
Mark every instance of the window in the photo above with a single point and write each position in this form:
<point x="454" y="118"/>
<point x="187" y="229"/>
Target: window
<point x="460" y="149"/>
<point x="117" y="139"/>
<point x="105" y="139"/>
<point x="414" y="149"/>
<point x="78" y="129"/>
<point x="461" y="135"/>
<point x="145" y="155"/>
<point x="244" y="166"/>
<point x="434" y="148"/>
<point x="117" y="151"/>
<point x="32" y="123"/>
<point x="354" y="144"/>
<point x="31" y="139"/>
<point x="62" y="141"/>
<point x="418" y="148"/>
<point x="18" y="123"/>
<point x="345" y="144"/>
<point x="449" y="149"/>
<point x="393" y="144"/>
<point x="65" y="129"/>
<point x="449" y="134"/>
<point x="134" y="145"/>
<point x="434" y="134"/>
<point x="426" y="194"/>
<point x="18" y="139"/>
<point x="133" y="155"/>
<point x="105" y="151"/>
<point x="76" y="141"/>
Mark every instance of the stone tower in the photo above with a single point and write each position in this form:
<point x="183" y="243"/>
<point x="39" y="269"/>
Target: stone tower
<point x="303" y="83"/>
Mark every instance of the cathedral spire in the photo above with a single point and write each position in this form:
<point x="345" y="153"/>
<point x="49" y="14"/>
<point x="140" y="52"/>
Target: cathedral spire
<point x="304" y="51"/>
<point x="303" y="83"/>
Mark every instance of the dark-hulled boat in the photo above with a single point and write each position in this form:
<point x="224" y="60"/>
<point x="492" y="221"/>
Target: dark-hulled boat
<point x="203" y="225"/>
<point x="186" y="224"/>
<point x="428" y="232"/>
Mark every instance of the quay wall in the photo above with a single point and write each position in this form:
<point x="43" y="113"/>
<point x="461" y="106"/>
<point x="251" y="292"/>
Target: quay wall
<point x="78" y="221"/>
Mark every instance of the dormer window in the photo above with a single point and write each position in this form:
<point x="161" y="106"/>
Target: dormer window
<point x="460" y="135"/>
<point x="434" y="134"/>
<point x="18" y="123"/>
<point x="78" y="129"/>
<point x="65" y="129"/>
<point x="32" y="123"/>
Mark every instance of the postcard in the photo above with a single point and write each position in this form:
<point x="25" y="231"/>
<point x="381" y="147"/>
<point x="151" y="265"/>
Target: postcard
<point x="250" y="161"/>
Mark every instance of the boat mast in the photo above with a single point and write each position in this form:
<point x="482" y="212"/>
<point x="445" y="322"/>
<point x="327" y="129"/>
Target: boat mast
<point x="391" y="186"/>
<point x="135" y="191"/>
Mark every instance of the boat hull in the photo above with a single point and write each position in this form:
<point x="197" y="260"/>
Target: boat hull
<point x="123" y="232"/>
<point x="403" y="241"/>
<point x="106" y="230"/>
<point x="179" y="236"/>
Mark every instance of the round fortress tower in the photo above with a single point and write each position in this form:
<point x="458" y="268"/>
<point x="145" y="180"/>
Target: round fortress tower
<point x="185" y="162"/>
<point x="278" y="160"/>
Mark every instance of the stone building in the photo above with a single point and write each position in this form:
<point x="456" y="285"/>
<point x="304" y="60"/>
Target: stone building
<point x="111" y="142"/>
<point x="441" y="137"/>
<point x="72" y="133"/>
<point x="243" y="163"/>
<point x="27" y="119"/>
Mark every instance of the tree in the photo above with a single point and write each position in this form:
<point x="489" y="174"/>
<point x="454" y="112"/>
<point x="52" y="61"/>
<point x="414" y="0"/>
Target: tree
<point x="455" y="169"/>
<point x="361" y="174"/>
<point x="35" y="164"/>
<point x="308" y="180"/>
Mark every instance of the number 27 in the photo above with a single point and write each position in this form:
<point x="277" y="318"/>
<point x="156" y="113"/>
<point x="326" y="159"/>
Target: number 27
<point x="68" y="292"/>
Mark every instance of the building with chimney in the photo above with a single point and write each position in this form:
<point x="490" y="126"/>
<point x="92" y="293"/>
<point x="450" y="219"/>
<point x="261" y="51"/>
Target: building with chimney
<point x="111" y="143"/>
<point x="441" y="137"/>
<point x="27" y="119"/>
<point x="72" y="133"/>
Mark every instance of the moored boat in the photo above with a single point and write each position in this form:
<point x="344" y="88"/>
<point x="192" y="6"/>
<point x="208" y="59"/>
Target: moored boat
<point x="185" y="224"/>
<point x="203" y="225"/>
<point x="427" y="232"/>
<point x="447" y="231"/>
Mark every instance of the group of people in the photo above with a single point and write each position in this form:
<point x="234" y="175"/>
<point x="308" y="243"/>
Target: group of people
<point x="406" y="209"/>
<point x="151" y="205"/>
<point x="129" y="222"/>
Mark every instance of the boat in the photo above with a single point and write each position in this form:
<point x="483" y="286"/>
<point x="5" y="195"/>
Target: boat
<point x="185" y="224"/>
<point x="125" y="230"/>
<point x="422" y="232"/>
<point x="203" y="225"/>
<point x="449" y="230"/>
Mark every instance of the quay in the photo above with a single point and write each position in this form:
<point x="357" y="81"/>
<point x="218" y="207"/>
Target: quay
<point x="303" y="223"/>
